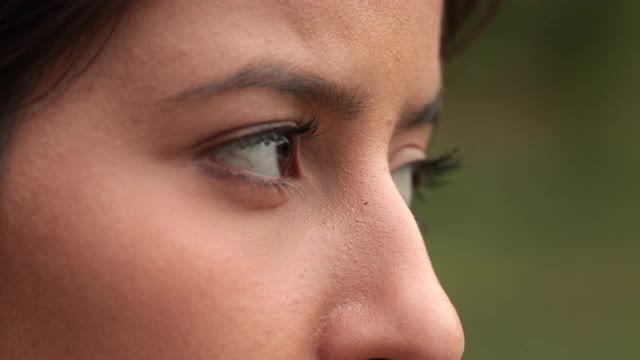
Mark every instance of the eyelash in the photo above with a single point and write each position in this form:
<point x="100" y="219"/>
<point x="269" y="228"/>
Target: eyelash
<point x="433" y="173"/>
<point x="304" y="127"/>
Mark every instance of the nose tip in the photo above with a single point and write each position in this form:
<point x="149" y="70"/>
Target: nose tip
<point x="397" y="309"/>
<point x="358" y="331"/>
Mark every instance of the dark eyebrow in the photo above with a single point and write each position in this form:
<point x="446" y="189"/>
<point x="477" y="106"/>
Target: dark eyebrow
<point x="287" y="79"/>
<point x="428" y="114"/>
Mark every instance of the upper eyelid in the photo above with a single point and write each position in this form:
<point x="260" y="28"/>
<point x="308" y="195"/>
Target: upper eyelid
<point x="255" y="130"/>
<point x="415" y="165"/>
<point x="286" y="127"/>
<point x="400" y="158"/>
<point x="231" y="136"/>
<point x="250" y="140"/>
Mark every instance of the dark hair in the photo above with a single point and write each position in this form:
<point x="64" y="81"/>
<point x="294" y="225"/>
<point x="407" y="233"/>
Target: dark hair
<point x="36" y="34"/>
<point x="458" y="26"/>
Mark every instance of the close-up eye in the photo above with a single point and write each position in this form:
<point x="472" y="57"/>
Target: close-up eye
<point x="429" y="173"/>
<point x="262" y="153"/>
<point x="269" y="155"/>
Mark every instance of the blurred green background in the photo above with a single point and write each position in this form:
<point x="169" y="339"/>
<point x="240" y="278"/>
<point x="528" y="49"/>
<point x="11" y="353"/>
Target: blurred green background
<point x="536" y="238"/>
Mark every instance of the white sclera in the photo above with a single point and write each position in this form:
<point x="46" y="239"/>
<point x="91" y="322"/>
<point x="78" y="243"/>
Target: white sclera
<point x="403" y="178"/>
<point x="261" y="159"/>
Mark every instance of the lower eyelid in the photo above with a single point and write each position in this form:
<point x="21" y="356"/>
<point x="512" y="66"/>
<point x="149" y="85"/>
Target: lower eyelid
<point x="405" y="156"/>
<point x="240" y="177"/>
<point x="228" y="175"/>
<point x="240" y="191"/>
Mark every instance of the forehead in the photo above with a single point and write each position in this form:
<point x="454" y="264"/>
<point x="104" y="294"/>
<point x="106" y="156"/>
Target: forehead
<point x="390" y="45"/>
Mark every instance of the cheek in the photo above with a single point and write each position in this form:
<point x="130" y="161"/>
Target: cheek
<point x="139" y="262"/>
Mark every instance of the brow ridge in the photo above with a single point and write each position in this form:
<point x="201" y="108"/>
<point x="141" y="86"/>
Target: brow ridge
<point x="426" y="115"/>
<point x="308" y="87"/>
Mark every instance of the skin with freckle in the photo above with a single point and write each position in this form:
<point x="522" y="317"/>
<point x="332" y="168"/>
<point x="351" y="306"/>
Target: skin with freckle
<point x="115" y="244"/>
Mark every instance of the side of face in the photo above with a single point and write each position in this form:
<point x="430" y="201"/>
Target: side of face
<point x="133" y="228"/>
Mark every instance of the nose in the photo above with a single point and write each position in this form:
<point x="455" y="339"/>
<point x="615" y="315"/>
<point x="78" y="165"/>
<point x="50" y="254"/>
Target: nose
<point x="393" y="306"/>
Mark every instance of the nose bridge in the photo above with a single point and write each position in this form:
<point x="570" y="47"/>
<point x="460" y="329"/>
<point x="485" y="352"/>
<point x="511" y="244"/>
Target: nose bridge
<point x="395" y="308"/>
<point x="380" y="226"/>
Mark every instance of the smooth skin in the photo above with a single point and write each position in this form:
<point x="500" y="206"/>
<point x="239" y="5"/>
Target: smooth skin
<point x="115" y="244"/>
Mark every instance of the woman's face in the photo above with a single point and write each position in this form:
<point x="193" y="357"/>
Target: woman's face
<point x="218" y="185"/>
